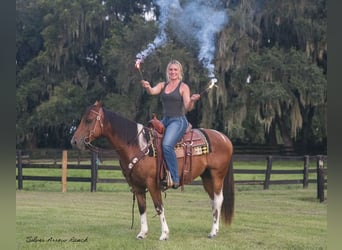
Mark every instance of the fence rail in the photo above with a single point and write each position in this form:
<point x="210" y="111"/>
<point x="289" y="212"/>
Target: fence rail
<point x="94" y="166"/>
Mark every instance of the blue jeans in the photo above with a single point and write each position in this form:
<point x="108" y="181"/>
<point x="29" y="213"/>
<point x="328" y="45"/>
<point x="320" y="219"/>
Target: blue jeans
<point x="175" y="128"/>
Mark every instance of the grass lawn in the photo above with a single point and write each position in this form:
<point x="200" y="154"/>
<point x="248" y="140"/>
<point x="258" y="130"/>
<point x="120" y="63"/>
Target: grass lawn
<point x="279" y="218"/>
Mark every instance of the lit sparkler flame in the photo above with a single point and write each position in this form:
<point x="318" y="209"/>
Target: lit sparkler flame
<point x="211" y="85"/>
<point x="137" y="64"/>
<point x="138" y="67"/>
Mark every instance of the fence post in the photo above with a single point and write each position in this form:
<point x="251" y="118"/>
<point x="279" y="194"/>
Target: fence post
<point x="78" y="157"/>
<point x="306" y="172"/>
<point x="320" y="178"/>
<point x="64" y="170"/>
<point x="268" y="172"/>
<point x="318" y="162"/>
<point x="20" y="170"/>
<point x="55" y="157"/>
<point x="321" y="183"/>
<point x="93" y="172"/>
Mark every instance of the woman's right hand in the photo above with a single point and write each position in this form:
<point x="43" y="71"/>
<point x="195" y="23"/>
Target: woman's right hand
<point x="145" y="84"/>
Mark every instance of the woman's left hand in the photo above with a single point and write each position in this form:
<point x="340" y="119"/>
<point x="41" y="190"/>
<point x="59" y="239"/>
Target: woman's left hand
<point x="195" y="97"/>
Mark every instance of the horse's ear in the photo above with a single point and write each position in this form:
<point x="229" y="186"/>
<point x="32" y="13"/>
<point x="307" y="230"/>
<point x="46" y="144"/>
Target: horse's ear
<point x="98" y="103"/>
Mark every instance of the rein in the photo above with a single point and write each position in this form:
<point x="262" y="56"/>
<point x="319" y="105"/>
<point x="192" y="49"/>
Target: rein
<point x="96" y="149"/>
<point x="141" y="154"/>
<point x="137" y="135"/>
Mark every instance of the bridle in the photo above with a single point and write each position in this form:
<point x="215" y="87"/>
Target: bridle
<point x="99" y="121"/>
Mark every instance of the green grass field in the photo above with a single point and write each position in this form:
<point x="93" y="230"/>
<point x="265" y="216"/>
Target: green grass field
<point x="283" y="217"/>
<point x="279" y="218"/>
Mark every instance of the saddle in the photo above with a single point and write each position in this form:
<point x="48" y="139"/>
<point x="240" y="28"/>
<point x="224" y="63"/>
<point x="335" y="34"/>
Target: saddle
<point x="194" y="142"/>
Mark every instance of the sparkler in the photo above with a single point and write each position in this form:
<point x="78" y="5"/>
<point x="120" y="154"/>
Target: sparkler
<point x="137" y="66"/>
<point x="211" y="85"/>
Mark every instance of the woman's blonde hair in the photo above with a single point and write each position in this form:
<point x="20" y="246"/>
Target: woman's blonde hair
<point x="180" y="69"/>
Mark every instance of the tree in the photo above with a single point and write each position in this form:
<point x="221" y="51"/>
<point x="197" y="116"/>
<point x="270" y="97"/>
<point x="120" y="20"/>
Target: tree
<point x="71" y="53"/>
<point x="29" y="22"/>
<point x="255" y="44"/>
<point x="59" y="68"/>
<point x="284" y="93"/>
<point x="297" y="24"/>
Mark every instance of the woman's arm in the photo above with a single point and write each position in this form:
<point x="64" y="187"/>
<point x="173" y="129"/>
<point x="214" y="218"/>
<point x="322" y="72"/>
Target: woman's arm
<point x="152" y="90"/>
<point x="187" y="100"/>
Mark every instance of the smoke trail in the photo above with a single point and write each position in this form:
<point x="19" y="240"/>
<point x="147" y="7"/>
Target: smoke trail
<point x="161" y="38"/>
<point x="201" y="21"/>
<point x="195" y="24"/>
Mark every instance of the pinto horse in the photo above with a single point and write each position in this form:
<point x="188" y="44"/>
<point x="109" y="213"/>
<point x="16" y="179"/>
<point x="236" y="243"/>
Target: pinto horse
<point x="129" y="141"/>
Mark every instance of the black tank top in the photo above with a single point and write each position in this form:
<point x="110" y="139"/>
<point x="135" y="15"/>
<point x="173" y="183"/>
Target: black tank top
<point x="172" y="102"/>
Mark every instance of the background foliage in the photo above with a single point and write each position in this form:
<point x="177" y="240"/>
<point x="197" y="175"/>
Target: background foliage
<point x="71" y="53"/>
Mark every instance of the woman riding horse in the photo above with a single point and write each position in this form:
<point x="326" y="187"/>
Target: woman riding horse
<point x="129" y="139"/>
<point x="176" y="100"/>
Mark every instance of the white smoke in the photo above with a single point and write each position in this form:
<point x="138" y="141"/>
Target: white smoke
<point x="195" y="24"/>
<point x="161" y="38"/>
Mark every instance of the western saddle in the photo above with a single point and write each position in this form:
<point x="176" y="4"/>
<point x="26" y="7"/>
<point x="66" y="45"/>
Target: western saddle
<point x="194" y="142"/>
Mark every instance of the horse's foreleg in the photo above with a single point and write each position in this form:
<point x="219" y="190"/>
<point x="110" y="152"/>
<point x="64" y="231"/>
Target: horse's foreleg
<point x="216" y="204"/>
<point x="141" y="198"/>
<point x="158" y="204"/>
<point x="164" y="227"/>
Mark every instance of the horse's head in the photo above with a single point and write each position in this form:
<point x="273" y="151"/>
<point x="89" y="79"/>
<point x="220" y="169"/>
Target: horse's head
<point x="90" y="127"/>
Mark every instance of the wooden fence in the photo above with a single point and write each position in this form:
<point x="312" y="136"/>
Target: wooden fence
<point x="23" y="161"/>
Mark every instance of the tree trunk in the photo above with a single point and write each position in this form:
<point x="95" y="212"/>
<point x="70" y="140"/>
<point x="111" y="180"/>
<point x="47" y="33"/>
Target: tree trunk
<point x="271" y="138"/>
<point x="307" y="115"/>
<point x="285" y="132"/>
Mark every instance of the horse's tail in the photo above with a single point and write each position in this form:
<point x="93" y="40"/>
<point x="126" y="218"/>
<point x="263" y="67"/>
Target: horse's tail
<point x="227" y="209"/>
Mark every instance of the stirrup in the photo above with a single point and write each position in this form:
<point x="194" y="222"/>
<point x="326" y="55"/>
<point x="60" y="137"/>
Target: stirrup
<point x="167" y="182"/>
<point x="169" y="179"/>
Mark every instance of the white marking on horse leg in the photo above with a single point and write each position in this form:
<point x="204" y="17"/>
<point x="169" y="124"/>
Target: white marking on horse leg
<point x="143" y="227"/>
<point x="216" y="204"/>
<point x="164" y="228"/>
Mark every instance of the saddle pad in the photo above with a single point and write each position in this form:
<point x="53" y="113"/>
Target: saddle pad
<point x="193" y="139"/>
<point x="193" y="142"/>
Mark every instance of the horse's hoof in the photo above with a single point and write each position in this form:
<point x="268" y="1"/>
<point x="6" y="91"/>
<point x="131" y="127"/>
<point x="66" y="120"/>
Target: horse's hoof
<point x="211" y="236"/>
<point x="141" y="236"/>
<point x="164" y="236"/>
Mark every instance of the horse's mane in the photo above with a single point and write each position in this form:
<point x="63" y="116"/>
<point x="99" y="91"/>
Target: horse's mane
<point x="124" y="128"/>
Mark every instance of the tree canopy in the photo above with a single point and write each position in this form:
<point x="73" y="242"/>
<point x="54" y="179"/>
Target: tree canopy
<point x="270" y="62"/>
